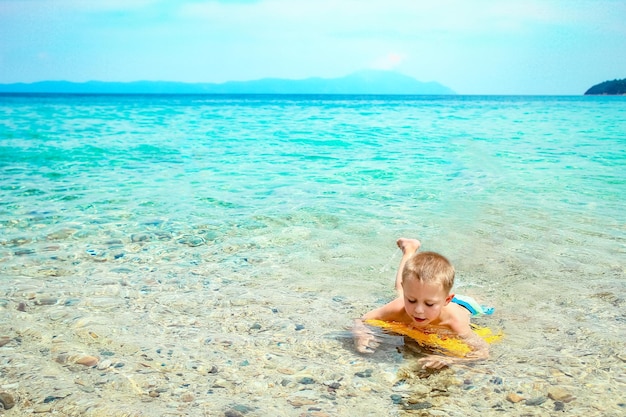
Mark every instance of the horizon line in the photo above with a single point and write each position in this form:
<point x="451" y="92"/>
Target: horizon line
<point x="58" y="93"/>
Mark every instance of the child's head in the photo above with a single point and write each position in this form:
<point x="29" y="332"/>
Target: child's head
<point x="429" y="268"/>
<point x="427" y="279"/>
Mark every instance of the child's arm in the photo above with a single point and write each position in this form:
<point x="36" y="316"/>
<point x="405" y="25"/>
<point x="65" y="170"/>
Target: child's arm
<point x="364" y="340"/>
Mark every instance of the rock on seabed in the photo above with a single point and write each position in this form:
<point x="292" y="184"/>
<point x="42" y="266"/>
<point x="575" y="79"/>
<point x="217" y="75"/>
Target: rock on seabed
<point x="560" y="394"/>
<point x="6" y="400"/>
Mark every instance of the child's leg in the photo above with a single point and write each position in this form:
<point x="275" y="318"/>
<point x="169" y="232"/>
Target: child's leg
<point x="408" y="248"/>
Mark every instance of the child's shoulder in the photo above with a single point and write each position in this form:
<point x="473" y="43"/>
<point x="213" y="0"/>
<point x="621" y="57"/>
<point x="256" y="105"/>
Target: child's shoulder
<point x="456" y="318"/>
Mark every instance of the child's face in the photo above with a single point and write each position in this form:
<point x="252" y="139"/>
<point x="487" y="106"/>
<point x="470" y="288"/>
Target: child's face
<point x="424" y="301"/>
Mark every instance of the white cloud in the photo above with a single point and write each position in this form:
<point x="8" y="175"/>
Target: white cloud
<point x="389" y="61"/>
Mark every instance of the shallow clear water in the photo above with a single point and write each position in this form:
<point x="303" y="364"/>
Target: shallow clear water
<point x="218" y="248"/>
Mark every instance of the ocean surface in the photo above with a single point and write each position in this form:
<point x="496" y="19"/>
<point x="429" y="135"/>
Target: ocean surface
<point x="206" y="255"/>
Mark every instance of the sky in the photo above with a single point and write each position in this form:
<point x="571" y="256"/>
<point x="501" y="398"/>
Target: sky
<point x="534" y="47"/>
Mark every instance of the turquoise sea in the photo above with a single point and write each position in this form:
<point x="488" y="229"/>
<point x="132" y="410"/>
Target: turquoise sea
<point x="211" y="252"/>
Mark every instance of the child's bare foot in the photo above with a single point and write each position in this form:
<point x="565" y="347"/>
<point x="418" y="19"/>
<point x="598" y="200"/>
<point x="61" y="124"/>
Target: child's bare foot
<point x="408" y="246"/>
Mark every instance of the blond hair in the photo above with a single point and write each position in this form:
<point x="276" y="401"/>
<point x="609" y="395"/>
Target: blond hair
<point x="429" y="267"/>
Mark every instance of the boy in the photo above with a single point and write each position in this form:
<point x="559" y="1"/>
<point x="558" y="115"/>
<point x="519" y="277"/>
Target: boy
<point x="424" y="281"/>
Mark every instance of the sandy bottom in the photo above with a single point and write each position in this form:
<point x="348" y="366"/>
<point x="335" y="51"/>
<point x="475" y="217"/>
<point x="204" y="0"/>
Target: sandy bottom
<point x="158" y="325"/>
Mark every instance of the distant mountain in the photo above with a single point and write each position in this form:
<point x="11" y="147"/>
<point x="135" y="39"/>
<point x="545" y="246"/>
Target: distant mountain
<point x="362" y="82"/>
<point x="615" y="87"/>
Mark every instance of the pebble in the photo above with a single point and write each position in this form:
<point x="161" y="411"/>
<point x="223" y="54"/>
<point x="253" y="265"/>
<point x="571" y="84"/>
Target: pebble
<point x="46" y="301"/>
<point x="396" y="398"/>
<point x="6" y="400"/>
<point x="307" y="380"/>
<point x="514" y="398"/>
<point x="21" y="307"/>
<point x="192" y="241"/>
<point x="42" y="408"/>
<point x="364" y="374"/>
<point x="334" y="385"/>
<point x="560" y="394"/>
<point x="71" y="302"/>
<point x="417" y="406"/>
<point x="139" y="237"/>
<point x="51" y="398"/>
<point x="536" y="401"/>
<point x="87" y="360"/>
<point x="4" y="340"/>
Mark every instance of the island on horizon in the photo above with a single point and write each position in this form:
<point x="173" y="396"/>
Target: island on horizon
<point x="613" y="88"/>
<point x="361" y="82"/>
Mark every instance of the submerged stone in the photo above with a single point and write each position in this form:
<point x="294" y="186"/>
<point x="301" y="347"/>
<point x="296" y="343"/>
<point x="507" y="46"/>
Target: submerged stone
<point x="560" y="394"/>
<point x="514" y="398"/>
<point x="364" y="374"/>
<point x="6" y="400"/>
<point x="417" y="406"/>
<point x="192" y="241"/>
<point x="396" y="398"/>
<point x="46" y="301"/>
<point x="536" y="401"/>
<point x="139" y="237"/>
<point x="87" y="360"/>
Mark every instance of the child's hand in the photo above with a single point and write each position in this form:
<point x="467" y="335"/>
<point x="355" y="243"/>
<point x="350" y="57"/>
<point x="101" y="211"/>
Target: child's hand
<point x="435" y="362"/>
<point x="365" y="342"/>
